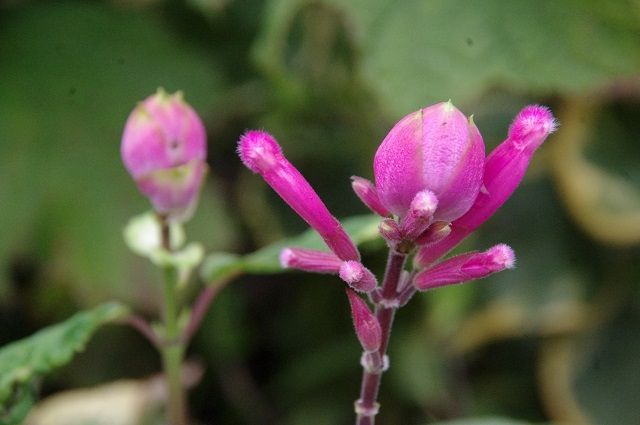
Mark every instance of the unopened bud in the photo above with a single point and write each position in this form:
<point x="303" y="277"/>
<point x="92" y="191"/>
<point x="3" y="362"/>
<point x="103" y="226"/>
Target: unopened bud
<point x="435" y="233"/>
<point x="466" y="267"/>
<point x="368" y="194"/>
<point x="357" y="276"/>
<point x="365" y="323"/>
<point x="420" y="214"/>
<point x="164" y="149"/>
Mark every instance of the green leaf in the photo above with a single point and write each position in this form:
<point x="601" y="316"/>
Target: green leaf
<point x="416" y="52"/>
<point x="24" y="361"/>
<point x="218" y="266"/>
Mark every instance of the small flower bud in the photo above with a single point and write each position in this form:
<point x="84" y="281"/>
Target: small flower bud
<point x="390" y="230"/>
<point x="310" y="260"/>
<point x="420" y="214"/>
<point x="465" y="267"/>
<point x="164" y="149"/>
<point x="435" y="233"/>
<point x="357" y="276"/>
<point x="260" y="152"/>
<point x="504" y="170"/>
<point x="435" y="149"/>
<point x="368" y="194"/>
<point x="365" y="323"/>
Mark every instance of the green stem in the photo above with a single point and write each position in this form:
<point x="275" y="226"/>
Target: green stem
<point x="172" y="349"/>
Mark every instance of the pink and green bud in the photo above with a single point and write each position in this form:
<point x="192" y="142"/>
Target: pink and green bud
<point x="357" y="276"/>
<point x="390" y="231"/>
<point x="435" y="233"/>
<point x="310" y="260"/>
<point x="164" y="148"/>
<point x="466" y="267"/>
<point x="504" y="169"/>
<point x="368" y="194"/>
<point x="420" y="214"/>
<point x="436" y="149"/>
<point x="261" y="153"/>
<point x="365" y="323"/>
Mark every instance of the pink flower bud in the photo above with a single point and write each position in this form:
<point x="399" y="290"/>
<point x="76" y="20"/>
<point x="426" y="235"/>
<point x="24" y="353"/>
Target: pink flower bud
<point x="390" y="230"/>
<point x="365" y="323"/>
<point x="357" y="276"/>
<point x="310" y="260"/>
<point x="435" y="233"/>
<point x="261" y="153"/>
<point x="420" y="214"/>
<point x="368" y="194"/>
<point x="164" y="149"/>
<point x="465" y="267"/>
<point x="435" y="149"/>
<point x="504" y="169"/>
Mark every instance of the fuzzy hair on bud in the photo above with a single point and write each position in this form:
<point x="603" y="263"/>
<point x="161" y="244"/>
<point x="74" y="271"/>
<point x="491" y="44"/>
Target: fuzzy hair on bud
<point x="357" y="276"/>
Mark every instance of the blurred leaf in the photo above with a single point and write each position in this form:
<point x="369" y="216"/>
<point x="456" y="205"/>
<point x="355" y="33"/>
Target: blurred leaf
<point x="606" y="205"/>
<point x="66" y="91"/>
<point x="607" y="359"/>
<point x="483" y="421"/>
<point x="17" y="411"/>
<point x="266" y="260"/>
<point x="416" y="52"/>
<point x="23" y="361"/>
<point x="123" y="402"/>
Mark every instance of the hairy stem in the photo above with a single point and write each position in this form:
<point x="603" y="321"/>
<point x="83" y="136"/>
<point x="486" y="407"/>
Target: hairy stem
<point x="366" y="406"/>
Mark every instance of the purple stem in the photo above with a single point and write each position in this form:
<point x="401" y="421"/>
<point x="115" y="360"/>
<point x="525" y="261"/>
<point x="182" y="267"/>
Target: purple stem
<point x="139" y="323"/>
<point x="367" y="405"/>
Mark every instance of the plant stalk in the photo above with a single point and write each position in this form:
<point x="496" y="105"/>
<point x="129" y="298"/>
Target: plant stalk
<point x="172" y="349"/>
<point x="366" y="406"/>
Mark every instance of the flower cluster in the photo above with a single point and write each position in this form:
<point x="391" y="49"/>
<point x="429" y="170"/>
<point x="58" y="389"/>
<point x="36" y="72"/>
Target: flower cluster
<point x="433" y="187"/>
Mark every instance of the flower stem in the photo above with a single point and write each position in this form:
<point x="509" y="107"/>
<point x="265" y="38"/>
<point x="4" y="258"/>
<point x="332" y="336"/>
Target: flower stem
<point x="366" y="407"/>
<point x="172" y="349"/>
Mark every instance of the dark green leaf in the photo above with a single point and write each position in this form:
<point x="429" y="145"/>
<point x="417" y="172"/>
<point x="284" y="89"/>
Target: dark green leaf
<point x="23" y="361"/>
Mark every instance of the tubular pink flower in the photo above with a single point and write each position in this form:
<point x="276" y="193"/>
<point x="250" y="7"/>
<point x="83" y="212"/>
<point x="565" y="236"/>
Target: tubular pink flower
<point x="164" y="149"/>
<point x="368" y="194"/>
<point x="357" y="276"/>
<point x="420" y="214"/>
<point x="435" y="149"/>
<point x="466" y="267"/>
<point x="261" y="153"/>
<point x="310" y="260"/>
<point x="365" y="323"/>
<point x="504" y="169"/>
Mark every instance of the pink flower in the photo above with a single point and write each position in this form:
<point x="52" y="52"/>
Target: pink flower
<point x="435" y="149"/>
<point x="465" y="267"/>
<point x="504" y="169"/>
<point x="164" y="149"/>
<point x="261" y="153"/>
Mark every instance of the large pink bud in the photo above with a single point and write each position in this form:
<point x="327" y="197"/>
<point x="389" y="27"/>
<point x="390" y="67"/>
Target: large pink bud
<point x="164" y="148"/>
<point x="436" y="149"/>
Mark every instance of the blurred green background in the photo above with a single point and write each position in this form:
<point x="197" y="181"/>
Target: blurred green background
<point x="555" y="341"/>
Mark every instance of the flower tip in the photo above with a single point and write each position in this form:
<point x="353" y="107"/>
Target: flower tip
<point x="503" y="256"/>
<point x="357" y="276"/>
<point x="424" y="203"/>
<point x="532" y="125"/>
<point x="259" y="151"/>
<point x="286" y="256"/>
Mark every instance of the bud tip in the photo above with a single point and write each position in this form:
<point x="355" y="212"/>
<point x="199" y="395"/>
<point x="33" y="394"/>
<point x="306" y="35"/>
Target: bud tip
<point x="259" y="151"/>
